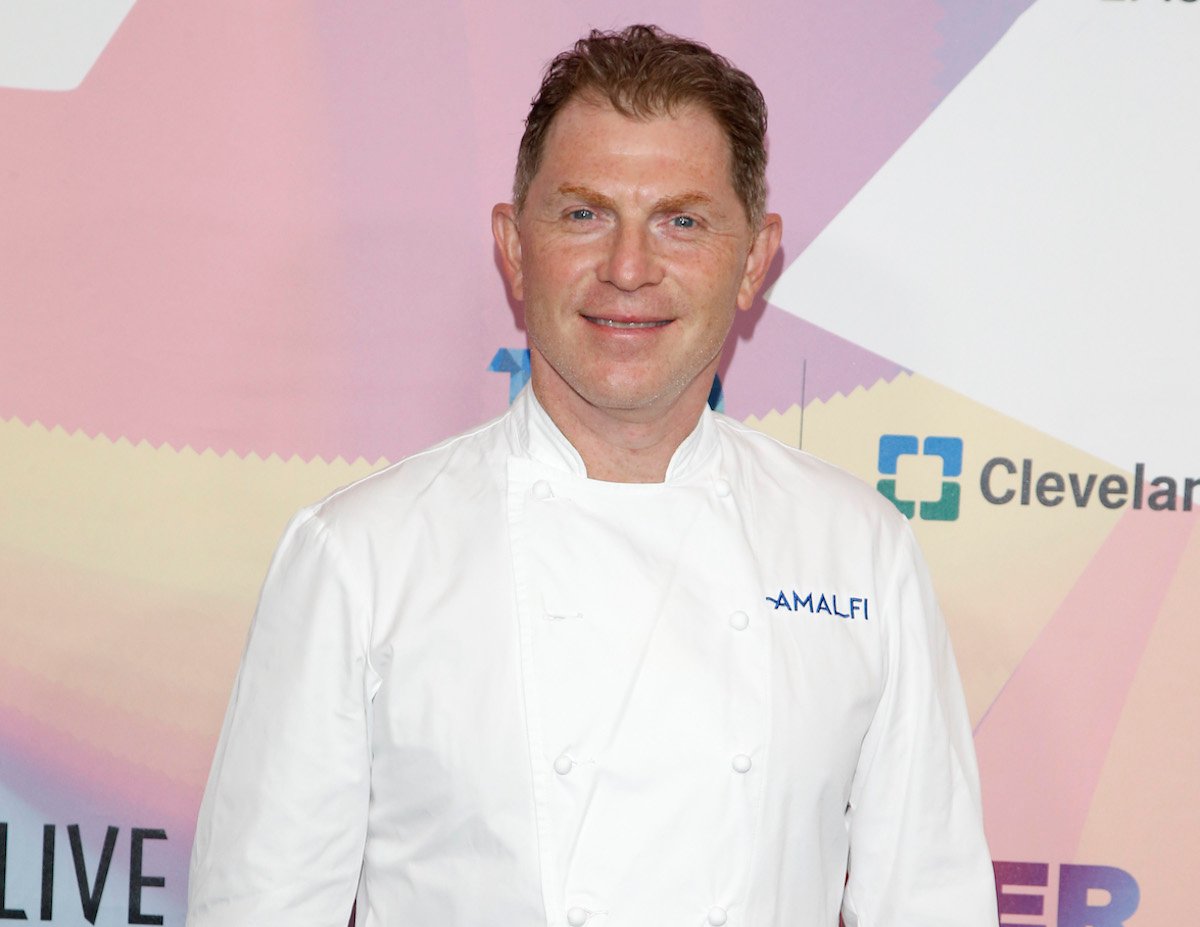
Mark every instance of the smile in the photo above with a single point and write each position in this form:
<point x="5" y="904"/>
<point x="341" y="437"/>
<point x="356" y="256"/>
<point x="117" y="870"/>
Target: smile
<point x="614" y="323"/>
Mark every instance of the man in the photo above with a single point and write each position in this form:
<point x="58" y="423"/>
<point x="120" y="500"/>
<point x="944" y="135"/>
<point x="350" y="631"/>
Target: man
<point x="611" y="659"/>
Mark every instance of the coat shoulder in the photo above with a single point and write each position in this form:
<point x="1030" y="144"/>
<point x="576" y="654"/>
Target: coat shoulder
<point x="452" y="471"/>
<point x="798" y="478"/>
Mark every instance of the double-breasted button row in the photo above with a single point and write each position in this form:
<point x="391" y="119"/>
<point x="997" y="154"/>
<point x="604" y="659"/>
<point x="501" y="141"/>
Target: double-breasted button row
<point x="741" y="763"/>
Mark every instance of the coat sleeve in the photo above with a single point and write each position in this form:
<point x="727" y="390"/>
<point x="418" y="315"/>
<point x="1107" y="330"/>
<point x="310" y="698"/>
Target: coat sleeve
<point x="283" y="821"/>
<point x="918" y="855"/>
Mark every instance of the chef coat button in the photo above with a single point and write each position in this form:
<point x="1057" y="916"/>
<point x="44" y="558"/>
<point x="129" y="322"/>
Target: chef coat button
<point x="717" y="916"/>
<point x="739" y="621"/>
<point x="722" y="487"/>
<point x="577" y="917"/>
<point x="542" y="490"/>
<point x="563" y="764"/>
<point x="741" y="763"/>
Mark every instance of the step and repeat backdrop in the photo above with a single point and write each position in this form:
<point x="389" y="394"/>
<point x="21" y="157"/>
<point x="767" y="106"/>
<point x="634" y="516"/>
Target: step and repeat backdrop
<point x="245" y="259"/>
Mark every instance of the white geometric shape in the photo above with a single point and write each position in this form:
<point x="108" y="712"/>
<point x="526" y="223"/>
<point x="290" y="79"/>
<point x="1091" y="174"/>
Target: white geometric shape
<point x="1035" y="244"/>
<point x="52" y="44"/>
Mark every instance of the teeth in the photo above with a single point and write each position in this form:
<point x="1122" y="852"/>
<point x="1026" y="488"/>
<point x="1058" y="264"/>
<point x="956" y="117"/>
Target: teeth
<point x="613" y="323"/>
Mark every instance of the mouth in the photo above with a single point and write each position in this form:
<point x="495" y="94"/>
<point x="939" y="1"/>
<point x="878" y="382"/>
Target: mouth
<point x="627" y="324"/>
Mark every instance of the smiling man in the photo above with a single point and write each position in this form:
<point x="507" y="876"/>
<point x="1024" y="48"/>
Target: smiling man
<point x="612" y="659"/>
<point x="630" y="249"/>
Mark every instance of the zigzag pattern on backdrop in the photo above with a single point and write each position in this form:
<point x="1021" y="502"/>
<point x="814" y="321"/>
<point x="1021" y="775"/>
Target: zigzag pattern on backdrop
<point x="130" y="573"/>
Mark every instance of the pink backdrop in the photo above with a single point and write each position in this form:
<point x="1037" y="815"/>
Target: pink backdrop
<point x="248" y="258"/>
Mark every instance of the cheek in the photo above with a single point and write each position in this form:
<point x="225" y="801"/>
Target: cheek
<point x="717" y="293"/>
<point x="555" y="288"/>
<point x="556" y="261"/>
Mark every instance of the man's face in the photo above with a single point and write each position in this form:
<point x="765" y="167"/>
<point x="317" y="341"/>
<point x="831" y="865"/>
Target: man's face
<point x="631" y="253"/>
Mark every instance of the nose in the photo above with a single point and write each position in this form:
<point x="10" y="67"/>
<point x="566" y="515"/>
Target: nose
<point x="631" y="261"/>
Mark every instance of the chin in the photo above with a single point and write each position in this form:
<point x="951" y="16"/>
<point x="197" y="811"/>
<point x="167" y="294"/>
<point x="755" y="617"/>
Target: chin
<point x="626" y="397"/>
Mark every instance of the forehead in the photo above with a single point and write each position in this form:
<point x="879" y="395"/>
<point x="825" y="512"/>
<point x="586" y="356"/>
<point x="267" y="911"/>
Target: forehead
<point x="591" y="136"/>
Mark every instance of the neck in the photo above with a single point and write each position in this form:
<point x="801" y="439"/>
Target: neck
<point x="622" y="445"/>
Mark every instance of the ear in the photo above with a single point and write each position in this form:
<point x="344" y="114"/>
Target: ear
<point x="762" y="253"/>
<point x="508" y="242"/>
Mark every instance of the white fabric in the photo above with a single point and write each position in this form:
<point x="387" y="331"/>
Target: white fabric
<point x="486" y="691"/>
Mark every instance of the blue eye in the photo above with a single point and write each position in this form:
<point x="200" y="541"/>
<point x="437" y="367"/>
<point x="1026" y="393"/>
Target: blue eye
<point x="684" y="222"/>
<point x="581" y="214"/>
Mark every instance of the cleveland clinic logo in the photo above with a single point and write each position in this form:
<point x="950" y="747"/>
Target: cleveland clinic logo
<point x="899" y="455"/>
<point x="922" y="477"/>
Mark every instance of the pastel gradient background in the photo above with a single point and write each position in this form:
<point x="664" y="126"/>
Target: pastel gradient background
<point x="247" y="260"/>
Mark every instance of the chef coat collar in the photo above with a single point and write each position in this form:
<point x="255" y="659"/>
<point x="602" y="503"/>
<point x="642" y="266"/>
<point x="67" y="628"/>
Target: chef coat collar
<point x="541" y="438"/>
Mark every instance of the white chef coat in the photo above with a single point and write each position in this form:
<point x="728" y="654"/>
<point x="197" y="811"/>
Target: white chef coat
<point x="483" y="690"/>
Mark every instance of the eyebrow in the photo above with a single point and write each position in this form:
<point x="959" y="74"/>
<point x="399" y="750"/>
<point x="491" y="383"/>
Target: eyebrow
<point x="587" y="194"/>
<point x="680" y="202"/>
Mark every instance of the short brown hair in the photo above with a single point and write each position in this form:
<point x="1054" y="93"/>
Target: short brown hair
<point x="645" y="72"/>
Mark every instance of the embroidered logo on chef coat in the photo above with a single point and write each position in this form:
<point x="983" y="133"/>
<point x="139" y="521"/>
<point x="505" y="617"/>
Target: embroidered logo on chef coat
<point x="820" y="603"/>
